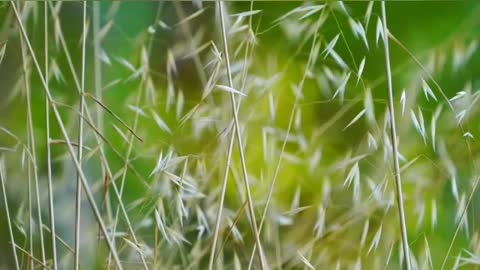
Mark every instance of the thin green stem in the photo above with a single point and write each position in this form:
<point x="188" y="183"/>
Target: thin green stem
<point x="32" y="165"/>
<point x="78" y="192"/>
<point x="395" y="151"/>
<point x="97" y="69"/>
<point x="9" y="220"/>
<point x="222" y="199"/>
<point x="229" y="158"/>
<point x="82" y="116"/>
<point x="63" y="130"/>
<point x="251" y="210"/>
<point x="51" y="208"/>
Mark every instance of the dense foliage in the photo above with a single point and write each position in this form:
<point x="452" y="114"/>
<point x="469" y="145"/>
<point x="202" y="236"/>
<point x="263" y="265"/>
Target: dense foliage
<point x="120" y="135"/>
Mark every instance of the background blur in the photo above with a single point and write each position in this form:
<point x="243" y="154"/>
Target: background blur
<point x="157" y="126"/>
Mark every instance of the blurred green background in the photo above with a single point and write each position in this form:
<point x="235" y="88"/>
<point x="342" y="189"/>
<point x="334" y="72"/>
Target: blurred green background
<point x="162" y="37"/>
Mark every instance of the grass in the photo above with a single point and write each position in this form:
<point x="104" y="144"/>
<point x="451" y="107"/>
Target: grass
<point x="237" y="135"/>
<point x="393" y="137"/>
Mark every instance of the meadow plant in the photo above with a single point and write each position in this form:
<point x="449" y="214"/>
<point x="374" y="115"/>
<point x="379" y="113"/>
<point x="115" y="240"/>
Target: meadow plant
<point x="239" y="135"/>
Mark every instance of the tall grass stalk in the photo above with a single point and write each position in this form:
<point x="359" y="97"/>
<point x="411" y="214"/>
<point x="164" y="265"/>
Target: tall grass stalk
<point x="395" y="151"/>
<point x="464" y="131"/>
<point x="221" y="202"/>
<point x="7" y="210"/>
<point x="78" y="197"/>
<point x="229" y="156"/>
<point x="67" y="139"/>
<point x="32" y="164"/>
<point x="88" y="117"/>
<point x="97" y="67"/>
<point x="51" y="208"/>
<point x="30" y="200"/>
<point x="237" y="130"/>
<point x="315" y="134"/>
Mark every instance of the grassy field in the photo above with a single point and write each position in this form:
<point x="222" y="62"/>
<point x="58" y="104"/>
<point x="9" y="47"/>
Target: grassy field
<point x="239" y="135"/>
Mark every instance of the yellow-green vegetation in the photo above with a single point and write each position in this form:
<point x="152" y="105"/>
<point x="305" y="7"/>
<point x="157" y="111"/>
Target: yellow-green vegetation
<point x="239" y="135"/>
